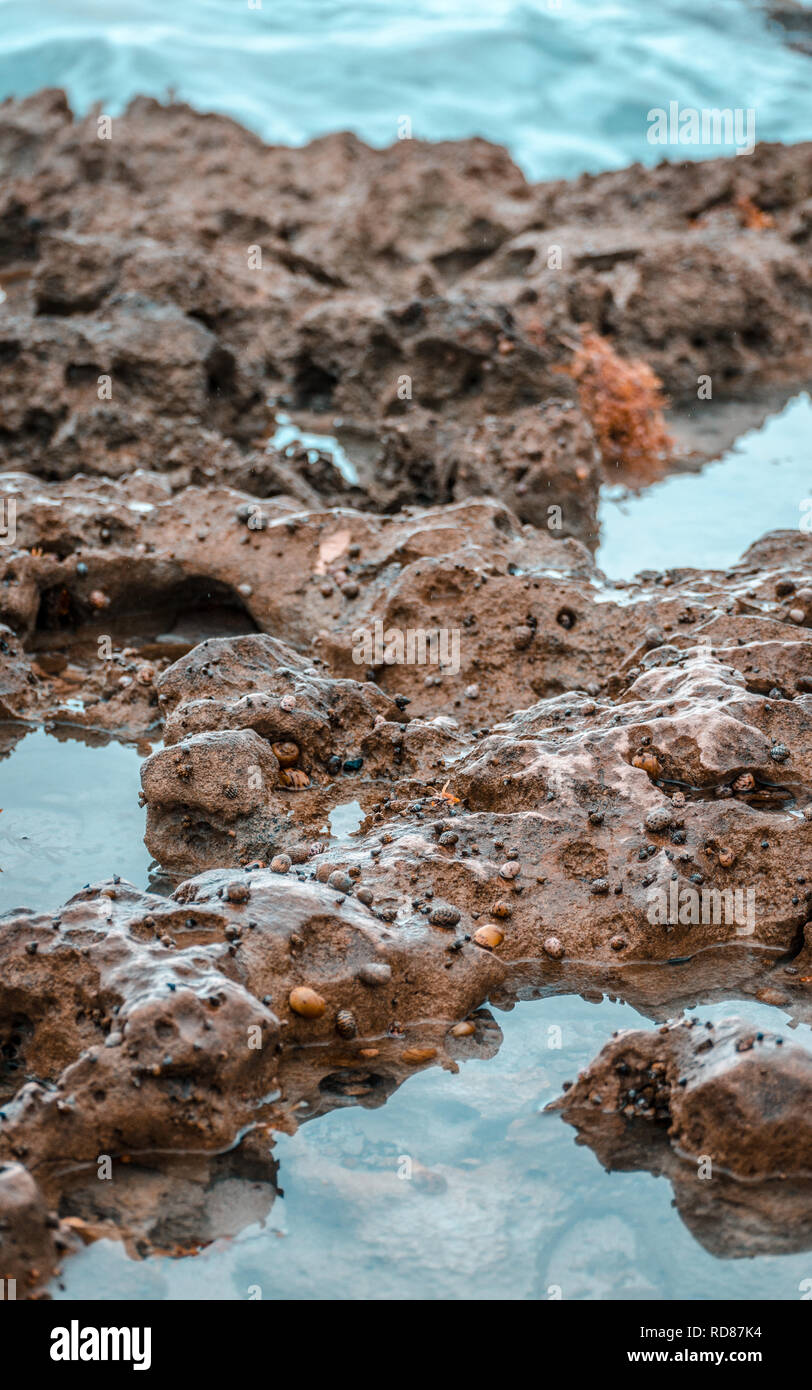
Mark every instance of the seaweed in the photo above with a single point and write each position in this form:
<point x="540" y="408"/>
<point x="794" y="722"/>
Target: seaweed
<point x="624" y="401"/>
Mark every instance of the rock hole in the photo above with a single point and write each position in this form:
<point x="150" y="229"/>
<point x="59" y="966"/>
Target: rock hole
<point x="221" y="373"/>
<point x="313" y="386"/>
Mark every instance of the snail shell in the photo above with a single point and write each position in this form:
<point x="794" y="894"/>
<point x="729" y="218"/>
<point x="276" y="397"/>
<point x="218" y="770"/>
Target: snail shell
<point x="649" y="763"/>
<point x="294" y="778"/>
<point x="489" y="936"/>
<point x="416" y="1056"/>
<point x="346" y="1027"/>
<point x="306" y="1002"/>
<point x="286" y="753"/>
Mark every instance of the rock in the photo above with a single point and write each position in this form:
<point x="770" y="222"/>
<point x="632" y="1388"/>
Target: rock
<point x="735" y="1107"/>
<point x="767" y="1086"/>
<point x="375" y="973"/>
<point x="30" y="1236"/>
<point x="244" y="590"/>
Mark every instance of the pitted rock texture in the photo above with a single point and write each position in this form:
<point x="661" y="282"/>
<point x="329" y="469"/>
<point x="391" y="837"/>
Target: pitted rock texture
<point x="723" y="1111"/>
<point x="214" y="280"/>
<point x="565" y="793"/>
<point x="32" y="1239"/>
<point x="147" y="1027"/>
<point x="155" y="1023"/>
<point x="668" y="816"/>
<point x="506" y="613"/>
<point x="738" y="1095"/>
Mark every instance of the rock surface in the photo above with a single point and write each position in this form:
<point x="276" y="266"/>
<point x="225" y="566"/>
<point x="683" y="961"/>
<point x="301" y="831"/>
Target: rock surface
<point x="722" y="1111"/>
<point x="562" y="782"/>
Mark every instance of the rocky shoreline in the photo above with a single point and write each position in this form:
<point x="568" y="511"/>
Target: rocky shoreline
<point x="604" y="785"/>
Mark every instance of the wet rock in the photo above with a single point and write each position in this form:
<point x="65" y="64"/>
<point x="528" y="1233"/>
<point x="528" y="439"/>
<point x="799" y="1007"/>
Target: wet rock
<point x="618" y="762"/>
<point x="740" y="1100"/>
<point x="31" y="1237"/>
<point x="727" y="1124"/>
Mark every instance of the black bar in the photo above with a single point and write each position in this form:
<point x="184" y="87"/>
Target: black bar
<point x="191" y="1338"/>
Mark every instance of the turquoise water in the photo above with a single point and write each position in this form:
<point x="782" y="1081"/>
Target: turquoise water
<point x="708" y="518"/>
<point x="566" y="85"/>
<point x="70" y="816"/>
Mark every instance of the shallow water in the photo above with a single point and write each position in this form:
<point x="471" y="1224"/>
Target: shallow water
<point x="708" y="518"/>
<point x="288" y="437"/>
<point x="345" y="820"/>
<point x="70" y="816"/>
<point x="566" y="85"/>
<point x="501" y="1202"/>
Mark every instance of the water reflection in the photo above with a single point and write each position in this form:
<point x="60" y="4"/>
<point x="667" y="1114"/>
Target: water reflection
<point x="70" y="813"/>
<point x="456" y="1182"/>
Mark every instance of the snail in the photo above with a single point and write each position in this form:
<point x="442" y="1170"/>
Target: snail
<point x="294" y="778"/>
<point x="286" y="753"/>
<point x="346" y="1026"/>
<point x="306" y="1002"/>
<point x="649" y="763"/>
<point x="488" y="936"/>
